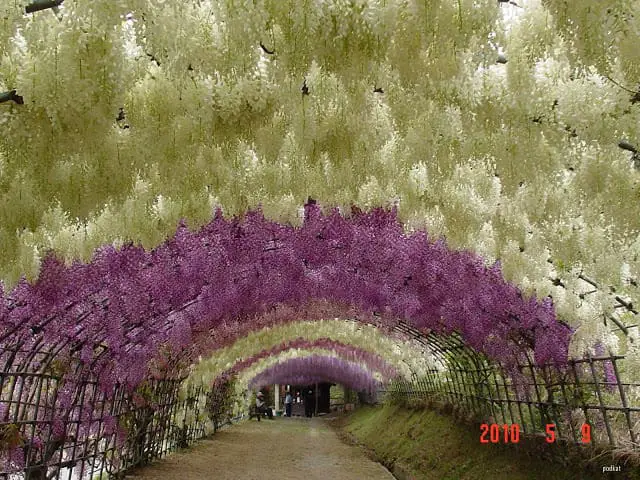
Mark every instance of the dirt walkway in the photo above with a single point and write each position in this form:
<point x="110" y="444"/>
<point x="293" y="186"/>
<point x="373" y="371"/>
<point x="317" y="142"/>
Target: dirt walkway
<point x="289" y="448"/>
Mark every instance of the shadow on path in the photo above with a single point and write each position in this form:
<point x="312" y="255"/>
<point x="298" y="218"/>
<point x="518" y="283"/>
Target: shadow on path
<point x="283" y="449"/>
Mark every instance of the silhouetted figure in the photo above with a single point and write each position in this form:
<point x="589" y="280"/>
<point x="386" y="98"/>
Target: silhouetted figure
<point x="309" y="403"/>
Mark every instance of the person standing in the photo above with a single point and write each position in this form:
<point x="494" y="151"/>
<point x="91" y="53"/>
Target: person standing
<point x="288" y="399"/>
<point x="308" y="403"/>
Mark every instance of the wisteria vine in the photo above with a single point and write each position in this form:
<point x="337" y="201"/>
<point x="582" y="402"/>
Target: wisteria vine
<point x="403" y="354"/>
<point x="114" y="312"/>
<point x="372" y="361"/>
<point x="317" y="368"/>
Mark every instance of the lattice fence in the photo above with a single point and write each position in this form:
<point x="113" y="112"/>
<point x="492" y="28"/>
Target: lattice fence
<point x="50" y="432"/>
<point x="99" y="435"/>
<point x="587" y="402"/>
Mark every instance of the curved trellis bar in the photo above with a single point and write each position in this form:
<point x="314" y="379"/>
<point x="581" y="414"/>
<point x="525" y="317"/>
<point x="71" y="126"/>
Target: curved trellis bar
<point x="317" y="368"/>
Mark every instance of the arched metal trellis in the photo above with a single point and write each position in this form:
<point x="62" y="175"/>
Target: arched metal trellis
<point x="57" y="442"/>
<point x="592" y="391"/>
<point x="114" y="431"/>
<point x="92" y="432"/>
<point x="110" y="433"/>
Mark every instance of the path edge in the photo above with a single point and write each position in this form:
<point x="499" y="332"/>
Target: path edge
<point x="398" y="470"/>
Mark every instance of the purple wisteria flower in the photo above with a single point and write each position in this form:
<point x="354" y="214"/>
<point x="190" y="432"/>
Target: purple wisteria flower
<point x="233" y="271"/>
<point x="129" y="309"/>
<point x="351" y="353"/>
<point x="317" y="368"/>
<point x="610" y="378"/>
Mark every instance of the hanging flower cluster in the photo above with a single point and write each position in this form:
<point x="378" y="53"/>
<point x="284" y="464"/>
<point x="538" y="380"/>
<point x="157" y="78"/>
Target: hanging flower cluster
<point x="610" y="379"/>
<point x="245" y="376"/>
<point x="304" y="371"/>
<point x="178" y="107"/>
<point x="127" y="302"/>
<point x="403" y="355"/>
<point x="347" y="352"/>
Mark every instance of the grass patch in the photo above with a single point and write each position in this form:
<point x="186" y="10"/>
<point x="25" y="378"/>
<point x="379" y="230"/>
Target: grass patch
<point x="431" y="445"/>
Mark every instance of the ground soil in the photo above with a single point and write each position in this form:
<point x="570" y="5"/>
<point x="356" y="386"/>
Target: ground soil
<point x="283" y="449"/>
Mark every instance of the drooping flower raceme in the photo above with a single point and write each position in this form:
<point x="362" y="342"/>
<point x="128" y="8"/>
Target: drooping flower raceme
<point x="231" y="271"/>
<point x="317" y="369"/>
<point x="403" y="354"/>
<point x="347" y="352"/>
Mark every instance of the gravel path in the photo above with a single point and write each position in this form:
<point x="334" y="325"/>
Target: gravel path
<point x="283" y="449"/>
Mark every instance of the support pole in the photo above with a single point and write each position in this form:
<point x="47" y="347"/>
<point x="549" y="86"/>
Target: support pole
<point x="277" y="396"/>
<point x="316" y="414"/>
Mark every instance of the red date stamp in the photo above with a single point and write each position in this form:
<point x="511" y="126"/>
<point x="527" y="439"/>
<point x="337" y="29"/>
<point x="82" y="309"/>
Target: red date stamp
<point x="499" y="433"/>
<point x="505" y="433"/>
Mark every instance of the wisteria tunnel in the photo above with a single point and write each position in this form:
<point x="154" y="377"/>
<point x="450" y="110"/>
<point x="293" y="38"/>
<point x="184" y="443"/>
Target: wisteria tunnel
<point x="212" y="212"/>
<point x="95" y="356"/>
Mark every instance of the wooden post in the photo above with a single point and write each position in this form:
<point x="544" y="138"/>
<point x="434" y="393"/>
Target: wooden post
<point x="277" y="397"/>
